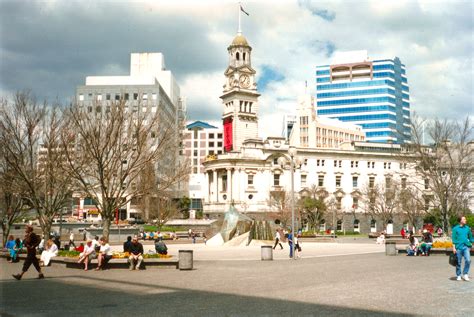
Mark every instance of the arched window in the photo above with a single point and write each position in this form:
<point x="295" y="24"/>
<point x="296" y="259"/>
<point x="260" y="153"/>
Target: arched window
<point x="322" y="225"/>
<point x="237" y="55"/>
<point x="244" y="56"/>
<point x="356" y="225"/>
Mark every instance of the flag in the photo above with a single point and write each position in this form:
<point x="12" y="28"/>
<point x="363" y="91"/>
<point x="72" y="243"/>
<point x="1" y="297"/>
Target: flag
<point x="242" y="9"/>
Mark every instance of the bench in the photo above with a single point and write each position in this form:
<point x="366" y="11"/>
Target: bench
<point x="123" y="263"/>
<point x="113" y="263"/>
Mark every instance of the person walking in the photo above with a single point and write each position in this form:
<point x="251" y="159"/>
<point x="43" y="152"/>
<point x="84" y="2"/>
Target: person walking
<point x="462" y="243"/>
<point x="289" y="237"/>
<point x="277" y="239"/>
<point x="31" y="241"/>
<point x="71" y="241"/>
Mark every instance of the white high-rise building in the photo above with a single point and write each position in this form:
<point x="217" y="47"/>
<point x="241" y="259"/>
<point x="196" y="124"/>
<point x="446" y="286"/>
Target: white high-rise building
<point x="149" y="89"/>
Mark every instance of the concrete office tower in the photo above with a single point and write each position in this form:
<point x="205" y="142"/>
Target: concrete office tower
<point x="149" y="89"/>
<point x="373" y="94"/>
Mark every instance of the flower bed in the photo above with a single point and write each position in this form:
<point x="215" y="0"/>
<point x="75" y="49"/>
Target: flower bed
<point x="442" y="244"/>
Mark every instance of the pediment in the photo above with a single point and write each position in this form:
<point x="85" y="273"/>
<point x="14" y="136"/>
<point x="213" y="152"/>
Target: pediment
<point x="246" y="69"/>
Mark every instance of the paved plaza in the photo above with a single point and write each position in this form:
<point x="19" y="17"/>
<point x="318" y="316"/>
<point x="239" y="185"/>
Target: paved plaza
<point x="331" y="279"/>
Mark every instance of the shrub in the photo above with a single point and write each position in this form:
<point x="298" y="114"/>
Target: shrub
<point x="69" y="254"/>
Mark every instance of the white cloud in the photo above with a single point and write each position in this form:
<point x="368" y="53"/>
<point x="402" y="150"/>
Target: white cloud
<point x="432" y="38"/>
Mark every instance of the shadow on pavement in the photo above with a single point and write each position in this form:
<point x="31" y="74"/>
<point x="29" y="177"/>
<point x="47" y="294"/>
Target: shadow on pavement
<point x="104" y="297"/>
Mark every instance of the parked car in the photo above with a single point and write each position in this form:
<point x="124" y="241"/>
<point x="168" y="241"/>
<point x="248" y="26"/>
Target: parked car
<point x="134" y="221"/>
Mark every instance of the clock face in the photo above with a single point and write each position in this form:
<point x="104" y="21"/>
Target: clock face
<point x="244" y="81"/>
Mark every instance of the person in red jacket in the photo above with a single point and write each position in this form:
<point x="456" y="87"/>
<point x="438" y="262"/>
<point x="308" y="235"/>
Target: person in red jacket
<point x="403" y="233"/>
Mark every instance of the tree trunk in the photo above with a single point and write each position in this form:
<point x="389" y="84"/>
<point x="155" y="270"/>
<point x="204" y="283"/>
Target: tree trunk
<point x="6" y="231"/>
<point x="106" y="227"/>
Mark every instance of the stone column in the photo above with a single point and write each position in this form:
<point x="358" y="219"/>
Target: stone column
<point x="229" y="184"/>
<point x="216" y="185"/>
<point x="208" y="187"/>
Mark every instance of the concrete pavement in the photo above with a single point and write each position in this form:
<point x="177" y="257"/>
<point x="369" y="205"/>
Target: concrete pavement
<point x="370" y="284"/>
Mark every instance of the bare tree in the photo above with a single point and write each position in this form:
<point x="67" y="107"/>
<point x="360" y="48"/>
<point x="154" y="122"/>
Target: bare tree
<point x="280" y="201"/>
<point x="411" y="205"/>
<point x="114" y="145"/>
<point x="446" y="166"/>
<point x="30" y="136"/>
<point x="12" y="202"/>
<point x="381" y="201"/>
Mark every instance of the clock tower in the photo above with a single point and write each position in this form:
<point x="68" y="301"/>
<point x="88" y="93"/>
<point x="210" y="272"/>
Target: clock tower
<point x="240" y="96"/>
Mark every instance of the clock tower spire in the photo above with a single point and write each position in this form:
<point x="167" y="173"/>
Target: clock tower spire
<point x="240" y="96"/>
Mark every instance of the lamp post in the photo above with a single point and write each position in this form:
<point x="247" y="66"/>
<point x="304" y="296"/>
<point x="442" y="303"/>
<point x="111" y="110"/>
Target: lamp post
<point x="291" y="157"/>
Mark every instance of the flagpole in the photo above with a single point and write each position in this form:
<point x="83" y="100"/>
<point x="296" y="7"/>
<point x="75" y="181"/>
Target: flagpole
<point x="239" y="31"/>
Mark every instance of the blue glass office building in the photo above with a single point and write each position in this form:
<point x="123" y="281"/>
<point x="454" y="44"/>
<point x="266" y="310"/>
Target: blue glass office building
<point x="372" y="94"/>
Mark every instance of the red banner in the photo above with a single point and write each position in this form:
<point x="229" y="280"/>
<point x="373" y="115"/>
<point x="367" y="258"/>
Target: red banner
<point x="228" y="134"/>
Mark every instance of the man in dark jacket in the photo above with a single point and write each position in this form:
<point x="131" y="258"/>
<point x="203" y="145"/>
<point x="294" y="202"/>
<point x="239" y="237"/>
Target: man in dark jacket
<point x="127" y="244"/>
<point x="31" y="242"/>
<point x="136" y="254"/>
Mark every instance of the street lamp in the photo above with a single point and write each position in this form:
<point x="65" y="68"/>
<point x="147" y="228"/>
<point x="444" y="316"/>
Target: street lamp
<point x="294" y="161"/>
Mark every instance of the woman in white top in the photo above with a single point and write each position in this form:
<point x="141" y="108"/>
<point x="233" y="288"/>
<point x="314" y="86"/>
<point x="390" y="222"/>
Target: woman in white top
<point x="87" y="255"/>
<point x="50" y="251"/>
<point x="105" y="254"/>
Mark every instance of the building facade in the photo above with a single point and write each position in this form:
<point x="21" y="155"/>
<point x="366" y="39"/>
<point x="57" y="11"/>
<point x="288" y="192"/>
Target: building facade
<point x="200" y="140"/>
<point x="150" y="89"/>
<point x="311" y="131"/>
<point x="373" y="94"/>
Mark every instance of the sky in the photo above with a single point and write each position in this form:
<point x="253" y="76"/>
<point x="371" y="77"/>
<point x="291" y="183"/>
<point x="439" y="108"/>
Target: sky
<point x="49" y="47"/>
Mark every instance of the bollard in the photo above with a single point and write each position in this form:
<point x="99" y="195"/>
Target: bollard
<point x="185" y="259"/>
<point x="390" y="248"/>
<point x="267" y="253"/>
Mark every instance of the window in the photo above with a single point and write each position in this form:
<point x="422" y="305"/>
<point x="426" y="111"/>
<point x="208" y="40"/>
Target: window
<point x="81" y="97"/>
<point x="107" y="96"/>
<point x="219" y="135"/>
<point x="224" y="183"/>
<point x="427" y="203"/>
<point x="354" y="181"/>
<point x="339" y="225"/>
<point x="219" y="144"/>
<point x="99" y="97"/>
<point x="153" y="96"/>
<point x="195" y="143"/>
<point x="355" y="202"/>
<point x="404" y="183"/>
<point x="427" y="184"/>
<point x="276" y="179"/>
<point x="135" y="96"/>
<point x="320" y="180"/>
<point x="117" y="97"/>
<point x="145" y="96"/>
<point x="211" y="135"/>
<point x="211" y="144"/>
<point x="195" y="161"/>
<point x="373" y="224"/>
<point x="250" y="180"/>
<point x="339" y="203"/>
<point x="303" y="180"/>
<point x="371" y="181"/>
<point x="275" y="161"/>
<point x="356" y="225"/>
<point x="195" y="152"/>
<point x="126" y="96"/>
<point x="338" y="181"/>
<point x="322" y="225"/>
